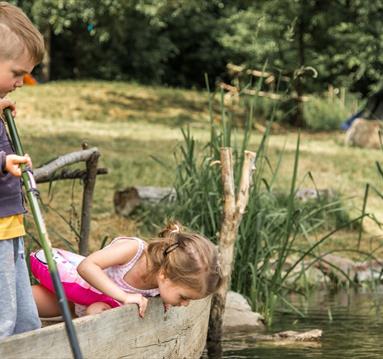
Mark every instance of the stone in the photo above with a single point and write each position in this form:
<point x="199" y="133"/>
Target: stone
<point x="364" y="133"/>
<point x="238" y="315"/>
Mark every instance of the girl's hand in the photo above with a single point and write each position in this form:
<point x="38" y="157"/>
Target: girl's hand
<point x="4" y="103"/>
<point x="166" y="307"/>
<point x="138" y="299"/>
<point x="12" y="164"/>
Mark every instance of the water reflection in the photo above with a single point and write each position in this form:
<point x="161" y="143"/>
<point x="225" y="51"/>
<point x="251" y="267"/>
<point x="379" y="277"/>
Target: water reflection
<point x="351" y="321"/>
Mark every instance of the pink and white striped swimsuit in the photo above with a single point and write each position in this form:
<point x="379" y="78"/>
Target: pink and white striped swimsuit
<point x="117" y="272"/>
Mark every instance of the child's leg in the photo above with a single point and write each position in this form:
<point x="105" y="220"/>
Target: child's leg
<point x="46" y="302"/>
<point x="7" y="289"/>
<point x="97" y="307"/>
<point x="27" y="316"/>
<point x="13" y="274"/>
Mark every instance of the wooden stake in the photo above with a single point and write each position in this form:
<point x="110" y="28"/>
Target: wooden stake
<point x="232" y="215"/>
<point x="87" y="202"/>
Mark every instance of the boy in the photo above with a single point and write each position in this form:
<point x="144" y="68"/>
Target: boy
<point x="21" y="48"/>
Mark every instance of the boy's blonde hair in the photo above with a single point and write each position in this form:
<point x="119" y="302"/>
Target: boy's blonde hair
<point x="185" y="258"/>
<point x="18" y="34"/>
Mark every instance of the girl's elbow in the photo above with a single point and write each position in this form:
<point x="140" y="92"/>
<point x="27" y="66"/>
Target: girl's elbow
<point x="81" y="268"/>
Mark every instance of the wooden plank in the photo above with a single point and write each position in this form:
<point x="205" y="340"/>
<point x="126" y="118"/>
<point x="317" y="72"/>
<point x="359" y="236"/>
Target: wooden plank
<point x="121" y="333"/>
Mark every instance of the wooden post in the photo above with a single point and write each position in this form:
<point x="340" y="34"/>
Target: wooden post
<point x="87" y="201"/>
<point x="232" y="215"/>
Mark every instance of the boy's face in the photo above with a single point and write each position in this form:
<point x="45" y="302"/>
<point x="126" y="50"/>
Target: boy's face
<point x="12" y="73"/>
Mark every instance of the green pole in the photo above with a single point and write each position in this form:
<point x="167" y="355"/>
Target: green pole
<point x="32" y="194"/>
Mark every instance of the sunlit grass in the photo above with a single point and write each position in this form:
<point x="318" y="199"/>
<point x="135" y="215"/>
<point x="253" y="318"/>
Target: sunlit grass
<point x="130" y="123"/>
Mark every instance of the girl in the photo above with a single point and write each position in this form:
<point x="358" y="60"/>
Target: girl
<point x="178" y="266"/>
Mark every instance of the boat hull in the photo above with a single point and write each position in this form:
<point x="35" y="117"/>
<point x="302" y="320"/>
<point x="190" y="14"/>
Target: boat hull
<point x="121" y="333"/>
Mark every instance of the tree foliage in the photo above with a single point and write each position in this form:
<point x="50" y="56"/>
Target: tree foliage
<point x="176" y="42"/>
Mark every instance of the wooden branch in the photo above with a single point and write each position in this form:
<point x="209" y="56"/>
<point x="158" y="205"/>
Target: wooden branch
<point x="43" y="173"/>
<point x="234" y="91"/>
<point x="257" y="73"/>
<point x="228" y="182"/>
<point x="244" y="186"/>
<point x="65" y="174"/>
<point x="237" y="70"/>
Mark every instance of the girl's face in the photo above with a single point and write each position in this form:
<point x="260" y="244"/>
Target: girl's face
<point x="176" y="294"/>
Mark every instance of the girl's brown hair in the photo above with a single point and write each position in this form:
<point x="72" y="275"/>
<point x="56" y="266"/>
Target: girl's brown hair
<point x="185" y="258"/>
<point x="17" y="34"/>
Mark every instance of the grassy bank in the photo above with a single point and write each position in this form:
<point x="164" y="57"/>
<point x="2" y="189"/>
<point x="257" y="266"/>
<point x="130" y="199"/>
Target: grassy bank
<point x="131" y="123"/>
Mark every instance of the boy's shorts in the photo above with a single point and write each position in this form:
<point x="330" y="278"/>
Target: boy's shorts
<point x="18" y="312"/>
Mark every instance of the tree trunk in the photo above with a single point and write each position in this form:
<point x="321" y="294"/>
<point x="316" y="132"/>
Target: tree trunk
<point x="46" y="63"/>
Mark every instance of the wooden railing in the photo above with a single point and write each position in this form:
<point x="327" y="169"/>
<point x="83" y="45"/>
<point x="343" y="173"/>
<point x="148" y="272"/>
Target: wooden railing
<point x="56" y="170"/>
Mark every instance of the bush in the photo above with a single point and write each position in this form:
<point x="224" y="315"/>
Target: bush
<point x="324" y="113"/>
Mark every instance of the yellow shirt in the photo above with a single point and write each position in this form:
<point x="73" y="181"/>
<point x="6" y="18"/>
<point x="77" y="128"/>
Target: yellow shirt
<point x="12" y="227"/>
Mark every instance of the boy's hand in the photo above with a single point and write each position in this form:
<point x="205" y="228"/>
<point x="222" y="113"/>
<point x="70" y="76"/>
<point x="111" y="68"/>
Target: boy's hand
<point x="4" y="103"/>
<point x="138" y="299"/>
<point x="12" y="163"/>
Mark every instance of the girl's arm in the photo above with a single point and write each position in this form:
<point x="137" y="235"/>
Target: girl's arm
<point x="91" y="270"/>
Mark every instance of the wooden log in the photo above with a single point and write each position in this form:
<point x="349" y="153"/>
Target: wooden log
<point x="291" y="336"/>
<point x="125" y="201"/>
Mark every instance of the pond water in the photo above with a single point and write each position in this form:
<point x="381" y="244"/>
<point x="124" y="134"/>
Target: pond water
<point x="352" y="324"/>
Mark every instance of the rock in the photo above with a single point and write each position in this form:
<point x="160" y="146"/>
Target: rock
<point x="339" y="269"/>
<point x="309" y="277"/>
<point x="368" y="271"/>
<point x="364" y="133"/>
<point x="307" y="194"/>
<point x="239" y="316"/>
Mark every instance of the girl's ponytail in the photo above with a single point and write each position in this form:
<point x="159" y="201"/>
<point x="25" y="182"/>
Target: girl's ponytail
<point x="170" y="229"/>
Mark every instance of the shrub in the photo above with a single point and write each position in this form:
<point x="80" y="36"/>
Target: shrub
<point x="324" y="113"/>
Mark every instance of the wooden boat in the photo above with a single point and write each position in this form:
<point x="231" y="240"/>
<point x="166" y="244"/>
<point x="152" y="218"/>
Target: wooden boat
<point x="120" y="333"/>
